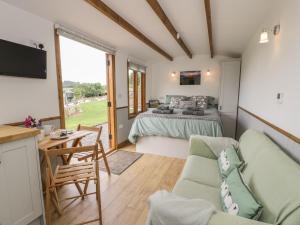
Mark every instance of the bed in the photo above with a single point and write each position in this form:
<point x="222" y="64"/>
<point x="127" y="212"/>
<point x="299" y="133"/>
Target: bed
<point x="168" y="134"/>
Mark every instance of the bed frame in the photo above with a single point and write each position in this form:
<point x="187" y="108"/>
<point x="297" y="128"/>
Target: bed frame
<point x="165" y="146"/>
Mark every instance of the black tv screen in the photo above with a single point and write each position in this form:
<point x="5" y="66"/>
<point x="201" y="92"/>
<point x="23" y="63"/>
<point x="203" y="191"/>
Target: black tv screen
<point x="190" y="78"/>
<point x="22" y="61"/>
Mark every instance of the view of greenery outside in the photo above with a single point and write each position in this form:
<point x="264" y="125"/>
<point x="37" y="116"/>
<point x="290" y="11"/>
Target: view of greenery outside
<point x="85" y="103"/>
<point x="92" y="113"/>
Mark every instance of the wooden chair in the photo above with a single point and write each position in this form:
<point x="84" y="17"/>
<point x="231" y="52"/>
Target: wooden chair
<point x="71" y="174"/>
<point x="90" y="155"/>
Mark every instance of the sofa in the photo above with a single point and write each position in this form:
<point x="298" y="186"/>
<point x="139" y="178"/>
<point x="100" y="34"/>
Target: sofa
<point x="273" y="177"/>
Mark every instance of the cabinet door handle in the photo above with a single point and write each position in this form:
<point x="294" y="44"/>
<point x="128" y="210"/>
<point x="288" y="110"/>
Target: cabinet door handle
<point x="0" y="163"/>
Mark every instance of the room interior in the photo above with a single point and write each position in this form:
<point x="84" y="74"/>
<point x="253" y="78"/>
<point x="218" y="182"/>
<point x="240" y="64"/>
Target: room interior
<point x="202" y="113"/>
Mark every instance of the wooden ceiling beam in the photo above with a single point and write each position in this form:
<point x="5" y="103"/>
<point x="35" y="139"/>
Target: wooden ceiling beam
<point x="209" y="26"/>
<point x="111" y="14"/>
<point x="165" y="20"/>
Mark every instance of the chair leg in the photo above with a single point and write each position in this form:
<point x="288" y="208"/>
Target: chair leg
<point x="86" y="186"/>
<point x="104" y="158"/>
<point x="56" y="202"/>
<point x="47" y="199"/>
<point x="98" y="197"/>
<point x="79" y="190"/>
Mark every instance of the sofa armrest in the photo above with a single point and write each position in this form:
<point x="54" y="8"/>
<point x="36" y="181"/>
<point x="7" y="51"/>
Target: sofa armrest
<point x="200" y="148"/>
<point x="210" y="147"/>
<point x="222" y="218"/>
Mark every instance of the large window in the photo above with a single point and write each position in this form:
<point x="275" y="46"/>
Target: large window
<point x="136" y="89"/>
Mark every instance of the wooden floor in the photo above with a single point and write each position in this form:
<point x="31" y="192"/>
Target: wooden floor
<point x="124" y="197"/>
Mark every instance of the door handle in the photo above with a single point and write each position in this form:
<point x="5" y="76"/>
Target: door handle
<point x="0" y="163"/>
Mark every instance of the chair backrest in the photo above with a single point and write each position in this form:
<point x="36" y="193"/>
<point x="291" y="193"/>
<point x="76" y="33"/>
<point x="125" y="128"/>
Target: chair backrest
<point x="97" y="130"/>
<point x="273" y="177"/>
<point x="63" y="151"/>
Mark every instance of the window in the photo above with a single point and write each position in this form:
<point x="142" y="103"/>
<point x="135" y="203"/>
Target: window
<point x="136" y="89"/>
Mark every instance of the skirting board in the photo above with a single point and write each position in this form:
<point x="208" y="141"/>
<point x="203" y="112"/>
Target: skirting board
<point x="171" y="147"/>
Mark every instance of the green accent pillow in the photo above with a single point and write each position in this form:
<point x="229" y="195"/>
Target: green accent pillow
<point x="237" y="198"/>
<point x="228" y="161"/>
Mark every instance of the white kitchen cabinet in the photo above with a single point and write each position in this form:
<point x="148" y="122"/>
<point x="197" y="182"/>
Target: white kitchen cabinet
<point x="229" y="95"/>
<point x="20" y="186"/>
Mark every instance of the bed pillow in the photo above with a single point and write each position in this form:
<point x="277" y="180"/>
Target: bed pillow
<point x="168" y="98"/>
<point x="201" y="101"/>
<point x="187" y="104"/>
<point x="210" y="100"/>
<point x="229" y="160"/>
<point x="237" y="198"/>
<point x="175" y="101"/>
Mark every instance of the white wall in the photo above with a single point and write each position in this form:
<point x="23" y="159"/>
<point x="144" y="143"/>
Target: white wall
<point x="24" y="96"/>
<point x="123" y="122"/>
<point x="121" y="77"/>
<point x="274" y="67"/>
<point x="20" y="97"/>
<point x="162" y="83"/>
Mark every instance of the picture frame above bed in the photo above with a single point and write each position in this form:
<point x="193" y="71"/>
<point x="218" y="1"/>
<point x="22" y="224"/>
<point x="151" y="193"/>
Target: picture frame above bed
<point x="190" y="77"/>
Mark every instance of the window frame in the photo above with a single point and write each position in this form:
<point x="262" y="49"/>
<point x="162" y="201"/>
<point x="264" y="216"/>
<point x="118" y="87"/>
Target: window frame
<point x="135" y="91"/>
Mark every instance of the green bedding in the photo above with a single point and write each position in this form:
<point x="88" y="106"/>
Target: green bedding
<point x="176" y="125"/>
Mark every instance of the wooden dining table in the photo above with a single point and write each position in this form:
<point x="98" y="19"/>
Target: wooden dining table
<point x="75" y="137"/>
<point x="48" y="143"/>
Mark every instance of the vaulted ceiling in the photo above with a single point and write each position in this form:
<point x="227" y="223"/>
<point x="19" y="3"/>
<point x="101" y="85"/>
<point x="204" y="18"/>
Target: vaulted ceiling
<point x="233" y="23"/>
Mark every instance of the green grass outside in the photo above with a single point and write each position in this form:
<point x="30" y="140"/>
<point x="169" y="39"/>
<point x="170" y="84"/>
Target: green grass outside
<point x="93" y="113"/>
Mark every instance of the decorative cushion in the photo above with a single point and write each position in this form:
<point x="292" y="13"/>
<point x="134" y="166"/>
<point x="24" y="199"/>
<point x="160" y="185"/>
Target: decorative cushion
<point x="175" y="101"/>
<point x="187" y="104"/>
<point x="237" y="198"/>
<point x="201" y="101"/>
<point x="228" y="161"/>
<point x="210" y="100"/>
<point x="168" y="98"/>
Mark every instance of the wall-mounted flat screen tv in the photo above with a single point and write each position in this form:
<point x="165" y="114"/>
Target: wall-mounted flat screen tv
<point x="190" y="78"/>
<point x="22" y="61"/>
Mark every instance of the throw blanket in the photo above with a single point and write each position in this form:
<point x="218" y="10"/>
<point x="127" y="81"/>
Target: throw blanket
<point x="168" y="209"/>
<point x="163" y="111"/>
<point x="193" y="112"/>
<point x="163" y="107"/>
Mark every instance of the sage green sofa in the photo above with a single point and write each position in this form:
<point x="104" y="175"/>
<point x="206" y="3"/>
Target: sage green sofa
<point x="270" y="173"/>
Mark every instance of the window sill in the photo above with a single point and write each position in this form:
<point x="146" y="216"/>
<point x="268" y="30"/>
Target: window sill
<point x="131" y="116"/>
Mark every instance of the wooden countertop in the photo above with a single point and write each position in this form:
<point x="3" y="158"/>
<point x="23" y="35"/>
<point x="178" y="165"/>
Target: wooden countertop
<point x="13" y="133"/>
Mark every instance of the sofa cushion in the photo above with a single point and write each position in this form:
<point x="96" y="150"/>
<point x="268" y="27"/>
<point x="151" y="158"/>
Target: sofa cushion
<point x="202" y="170"/>
<point x="190" y="189"/>
<point x="273" y="177"/>
<point x="200" y="148"/>
<point x="210" y="147"/>
<point x="251" y="144"/>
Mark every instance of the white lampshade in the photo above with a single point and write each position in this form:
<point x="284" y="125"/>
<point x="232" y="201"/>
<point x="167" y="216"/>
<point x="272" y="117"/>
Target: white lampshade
<point x="264" y="37"/>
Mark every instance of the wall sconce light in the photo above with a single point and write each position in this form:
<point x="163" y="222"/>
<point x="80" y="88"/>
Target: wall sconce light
<point x="264" y="35"/>
<point x="208" y="73"/>
<point x="173" y="74"/>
